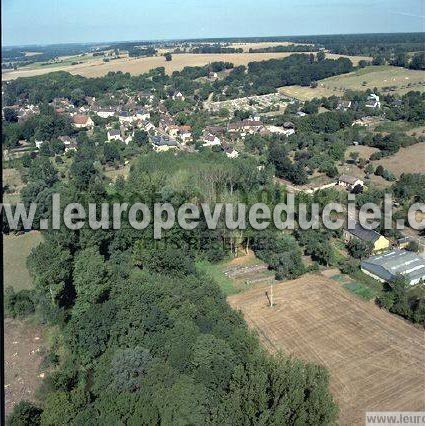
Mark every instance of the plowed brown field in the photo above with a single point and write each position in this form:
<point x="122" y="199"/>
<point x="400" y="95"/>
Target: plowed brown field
<point x="376" y="360"/>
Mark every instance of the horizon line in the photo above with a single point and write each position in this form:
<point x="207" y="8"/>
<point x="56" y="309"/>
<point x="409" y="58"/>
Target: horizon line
<point x="196" y="39"/>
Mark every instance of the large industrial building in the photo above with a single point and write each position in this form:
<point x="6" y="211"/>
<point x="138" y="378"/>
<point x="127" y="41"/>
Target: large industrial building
<point x="385" y="267"/>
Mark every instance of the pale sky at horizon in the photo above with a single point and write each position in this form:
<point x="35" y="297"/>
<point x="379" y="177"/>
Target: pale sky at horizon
<point x="54" y="21"/>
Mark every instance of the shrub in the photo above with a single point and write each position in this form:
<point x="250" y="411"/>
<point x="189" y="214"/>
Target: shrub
<point x="19" y="304"/>
<point x="24" y="414"/>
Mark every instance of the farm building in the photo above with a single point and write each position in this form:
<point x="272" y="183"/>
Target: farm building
<point x="378" y="241"/>
<point x="385" y="267"/>
<point x="349" y="182"/>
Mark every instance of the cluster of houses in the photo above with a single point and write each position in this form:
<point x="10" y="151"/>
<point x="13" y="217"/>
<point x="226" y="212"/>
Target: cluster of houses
<point x="372" y="102"/>
<point x="23" y="112"/>
<point x="125" y="115"/>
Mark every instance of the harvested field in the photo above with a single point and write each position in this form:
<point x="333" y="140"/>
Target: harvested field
<point x="363" y="150"/>
<point x="305" y="93"/>
<point x="23" y="354"/>
<point x="376" y="360"/>
<point x="262" y="45"/>
<point x="96" y="67"/>
<point x="407" y="160"/>
<point x="12" y="179"/>
<point x="417" y="132"/>
<point x="401" y="79"/>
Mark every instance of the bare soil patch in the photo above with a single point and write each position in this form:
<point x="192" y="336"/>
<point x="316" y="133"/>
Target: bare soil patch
<point x="23" y="344"/>
<point x="376" y="360"/>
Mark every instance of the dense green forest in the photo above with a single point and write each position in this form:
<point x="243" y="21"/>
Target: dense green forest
<point x="144" y="337"/>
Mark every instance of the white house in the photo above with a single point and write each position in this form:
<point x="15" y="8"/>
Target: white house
<point x="128" y="139"/>
<point x="373" y="101"/>
<point x="185" y="133"/>
<point x="125" y="117"/>
<point x="163" y="143"/>
<point x="177" y="95"/>
<point x="105" y="112"/>
<point x="142" y="114"/>
<point x="232" y="153"/>
<point x="344" y="105"/>
<point x="210" y="140"/>
<point x="250" y="126"/>
<point x="146" y="125"/>
<point x="349" y="182"/>
<point x="38" y="144"/>
<point x="72" y="146"/>
<point x="280" y="130"/>
<point x="114" y="135"/>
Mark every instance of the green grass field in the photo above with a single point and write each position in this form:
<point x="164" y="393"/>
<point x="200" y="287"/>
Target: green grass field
<point x="402" y="80"/>
<point x="214" y="272"/>
<point x="16" y="249"/>
<point x="359" y="284"/>
<point x="360" y="290"/>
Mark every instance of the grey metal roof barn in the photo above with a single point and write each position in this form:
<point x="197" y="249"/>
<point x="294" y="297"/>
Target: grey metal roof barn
<point x="364" y="233"/>
<point x="387" y="266"/>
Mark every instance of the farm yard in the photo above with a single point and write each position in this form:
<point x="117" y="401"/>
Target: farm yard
<point x="95" y="67"/>
<point x="402" y="80"/>
<point x="16" y="249"/>
<point x="375" y="359"/>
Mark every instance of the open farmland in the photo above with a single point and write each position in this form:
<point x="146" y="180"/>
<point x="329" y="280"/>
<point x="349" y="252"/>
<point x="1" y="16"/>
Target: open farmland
<point x="95" y="67"/>
<point x="16" y="249"/>
<point x="375" y="358"/>
<point x="402" y="80"/>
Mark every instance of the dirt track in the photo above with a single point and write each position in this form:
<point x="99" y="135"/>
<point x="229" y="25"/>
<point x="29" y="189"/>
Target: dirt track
<point x="376" y="360"/>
